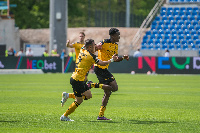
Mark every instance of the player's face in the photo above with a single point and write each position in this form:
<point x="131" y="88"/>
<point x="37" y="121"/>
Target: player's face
<point x="116" y="37"/>
<point x="81" y="37"/>
<point x="93" y="48"/>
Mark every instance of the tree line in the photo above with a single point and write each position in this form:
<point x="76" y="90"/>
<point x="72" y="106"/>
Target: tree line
<point x="34" y="14"/>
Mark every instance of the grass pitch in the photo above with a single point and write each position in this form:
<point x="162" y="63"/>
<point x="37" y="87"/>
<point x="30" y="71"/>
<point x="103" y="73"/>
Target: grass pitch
<point x="143" y="103"/>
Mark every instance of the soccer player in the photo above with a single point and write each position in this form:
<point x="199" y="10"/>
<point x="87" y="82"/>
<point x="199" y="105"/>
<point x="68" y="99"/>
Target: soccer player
<point x="85" y="60"/>
<point x="106" y="49"/>
<point x="77" y="45"/>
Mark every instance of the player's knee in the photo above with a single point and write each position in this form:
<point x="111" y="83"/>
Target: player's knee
<point x="90" y="96"/>
<point x="115" y="88"/>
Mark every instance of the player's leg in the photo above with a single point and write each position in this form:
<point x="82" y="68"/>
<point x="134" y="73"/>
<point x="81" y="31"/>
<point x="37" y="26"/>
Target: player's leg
<point x="78" y="88"/>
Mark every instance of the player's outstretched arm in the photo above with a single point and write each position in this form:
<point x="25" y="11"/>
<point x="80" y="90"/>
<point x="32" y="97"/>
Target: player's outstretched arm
<point x="68" y="44"/>
<point x="126" y="57"/>
<point x="104" y="63"/>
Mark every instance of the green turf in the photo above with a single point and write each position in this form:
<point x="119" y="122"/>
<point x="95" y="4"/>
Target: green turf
<point x="143" y="103"/>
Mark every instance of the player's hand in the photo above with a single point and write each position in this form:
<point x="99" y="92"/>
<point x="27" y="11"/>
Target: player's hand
<point x="67" y="43"/>
<point x="115" y="57"/>
<point x="126" y="57"/>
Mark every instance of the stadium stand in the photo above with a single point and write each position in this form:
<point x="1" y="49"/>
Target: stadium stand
<point x="177" y="27"/>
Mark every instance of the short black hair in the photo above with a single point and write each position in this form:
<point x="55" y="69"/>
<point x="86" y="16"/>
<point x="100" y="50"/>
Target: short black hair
<point x="82" y="33"/>
<point x="113" y="31"/>
<point x="88" y="42"/>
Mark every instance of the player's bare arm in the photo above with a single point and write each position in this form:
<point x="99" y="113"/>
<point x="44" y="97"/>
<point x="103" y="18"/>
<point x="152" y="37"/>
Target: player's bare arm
<point x="68" y="44"/>
<point x="104" y="63"/>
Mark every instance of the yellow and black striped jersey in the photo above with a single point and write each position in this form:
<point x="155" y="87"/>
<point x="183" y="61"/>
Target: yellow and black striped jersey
<point x="77" y="47"/>
<point x="85" y="60"/>
<point x="107" y="51"/>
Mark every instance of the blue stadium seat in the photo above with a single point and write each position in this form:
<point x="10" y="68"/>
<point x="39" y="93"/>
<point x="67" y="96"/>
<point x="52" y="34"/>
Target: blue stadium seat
<point x="170" y="41"/>
<point x="148" y="32"/>
<point x="184" y="27"/>
<point x="161" y="32"/>
<point x="188" y="23"/>
<point x="176" y="9"/>
<point x="177" y="42"/>
<point x="198" y="18"/>
<point x="193" y="32"/>
<point x="175" y="14"/>
<point x="186" y="32"/>
<point x="174" y="36"/>
<point x="182" y="9"/>
<point x="150" y="46"/>
<point x="181" y="13"/>
<point x="190" y="42"/>
<point x="171" y="46"/>
<point x="174" y="22"/>
<point x="159" y="27"/>
<point x="197" y="42"/>
<point x="162" y="14"/>
<point x="163" y="9"/>
<point x="195" y="37"/>
<point x="178" y="28"/>
<point x="195" y="8"/>
<point x="154" y="23"/>
<point x="171" y="19"/>
<point x="159" y="36"/>
<point x="165" y="27"/>
<point x="180" y="33"/>
<point x="184" y="18"/>
<point x="180" y="22"/>
<point x="184" y="42"/>
<point x="164" y="18"/>
<point x="178" y="47"/>
<point x="155" y="32"/>
<point x="160" y="23"/>
<point x="189" y="9"/>
<point x="177" y="18"/>
<point x="144" y="47"/>
<point x="194" y="47"/>
<point x="145" y="37"/>
<point x="197" y="27"/>
<point x="157" y="18"/>
<point x="172" y="27"/>
<point x="191" y="27"/>
<point x="167" y="22"/>
<point x="167" y="32"/>
<point x="152" y="36"/>
<point x="153" y="27"/>
<point x="191" y="18"/>
<point x="185" y="47"/>
<point x="150" y="42"/>
<point x="194" y="13"/>
<point x="169" y="13"/>
<point x="188" y="37"/>
<point x="198" y="32"/>
<point x="164" y="46"/>
<point x="167" y="36"/>
<point x="187" y="13"/>
<point x="181" y="37"/>
<point x="194" y="22"/>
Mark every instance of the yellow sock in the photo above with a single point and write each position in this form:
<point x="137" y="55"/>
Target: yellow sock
<point x="71" y="95"/>
<point x="71" y="108"/>
<point x="102" y="109"/>
<point x="96" y="85"/>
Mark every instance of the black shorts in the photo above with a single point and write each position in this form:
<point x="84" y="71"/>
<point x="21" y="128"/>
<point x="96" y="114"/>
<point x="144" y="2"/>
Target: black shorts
<point x="103" y="75"/>
<point x="79" y="87"/>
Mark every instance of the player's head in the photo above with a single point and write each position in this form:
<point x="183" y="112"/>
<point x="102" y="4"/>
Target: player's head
<point x="81" y="36"/>
<point x="114" y="34"/>
<point x="90" y="45"/>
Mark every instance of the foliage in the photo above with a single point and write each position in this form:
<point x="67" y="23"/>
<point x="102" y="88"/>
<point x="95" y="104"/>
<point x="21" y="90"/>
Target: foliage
<point x="143" y="103"/>
<point x="35" y="13"/>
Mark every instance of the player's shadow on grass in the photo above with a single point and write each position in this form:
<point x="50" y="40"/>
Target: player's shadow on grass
<point x="9" y="121"/>
<point x="105" y="121"/>
<point x="149" y="122"/>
